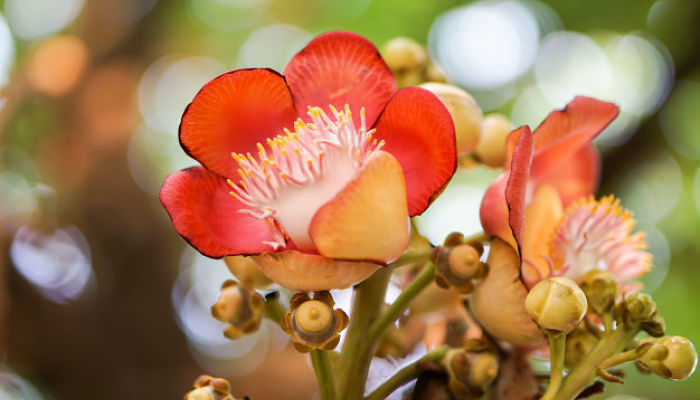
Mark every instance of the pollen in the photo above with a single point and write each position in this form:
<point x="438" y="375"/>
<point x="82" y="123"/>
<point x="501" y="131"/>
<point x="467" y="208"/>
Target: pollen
<point x="312" y="163"/>
<point x="597" y="234"/>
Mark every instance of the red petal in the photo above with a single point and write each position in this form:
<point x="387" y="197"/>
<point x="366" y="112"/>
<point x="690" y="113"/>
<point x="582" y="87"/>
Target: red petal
<point x="502" y="210"/>
<point x="206" y="215"/>
<point x="232" y="113"/>
<point x="564" y="132"/>
<point x="418" y="131"/>
<point x="579" y="178"/>
<point x="340" y="68"/>
<point x="516" y="189"/>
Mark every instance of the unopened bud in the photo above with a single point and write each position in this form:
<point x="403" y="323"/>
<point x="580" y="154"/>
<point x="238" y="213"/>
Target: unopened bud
<point x="672" y="357"/>
<point x="313" y="323"/>
<point x="458" y="264"/>
<point x="491" y="149"/>
<point x="600" y="289"/>
<point x="209" y="388"/>
<point x="465" y="113"/>
<point x="470" y="373"/>
<point x="579" y="343"/>
<point x="403" y="54"/>
<point x="240" y="307"/>
<point x="556" y="304"/>
<point x="434" y="73"/>
<point x="640" y="308"/>
<point x="655" y="328"/>
<point x="246" y="270"/>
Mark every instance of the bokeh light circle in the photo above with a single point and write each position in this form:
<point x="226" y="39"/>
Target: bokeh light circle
<point x="272" y="46"/>
<point x="487" y="44"/>
<point x="680" y="119"/>
<point x="33" y="19"/>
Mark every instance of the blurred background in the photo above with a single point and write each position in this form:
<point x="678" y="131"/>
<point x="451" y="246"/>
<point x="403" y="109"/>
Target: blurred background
<point x="99" y="297"/>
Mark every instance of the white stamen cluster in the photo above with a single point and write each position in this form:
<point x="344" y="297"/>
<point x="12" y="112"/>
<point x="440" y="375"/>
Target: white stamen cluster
<point x="299" y="158"/>
<point x="597" y="235"/>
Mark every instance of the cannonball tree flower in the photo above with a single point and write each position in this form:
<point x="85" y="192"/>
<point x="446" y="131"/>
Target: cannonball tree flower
<point x="543" y="173"/>
<point x="312" y="173"/>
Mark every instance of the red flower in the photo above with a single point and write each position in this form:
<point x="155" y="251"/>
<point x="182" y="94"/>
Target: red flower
<point x="544" y="173"/>
<point x="330" y="190"/>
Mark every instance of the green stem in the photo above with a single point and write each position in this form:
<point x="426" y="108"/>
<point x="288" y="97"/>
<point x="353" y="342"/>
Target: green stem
<point x="557" y="350"/>
<point x="357" y="351"/>
<point x="391" y="314"/>
<point x="322" y="367"/>
<point x="608" y="321"/>
<point x="619" y="359"/>
<point x="274" y="310"/>
<point x="585" y="372"/>
<point x="406" y="374"/>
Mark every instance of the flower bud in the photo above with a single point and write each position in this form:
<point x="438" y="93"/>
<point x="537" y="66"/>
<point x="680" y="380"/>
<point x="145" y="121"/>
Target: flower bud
<point x="579" y="343"/>
<point x="600" y="289"/>
<point x="313" y="323"/>
<point x="240" y="307"/>
<point x="465" y="113"/>
<point x="470" y="373"/>
<point x="208" y="388"/>
<point x="491" y="149"/>
<point x="655" y="328"/>
<point x="458" y="263"/>
<point x="671" y="357"/>
<point x="433" y="73"/>
<point x="247" y="271"/>
<point x="556" y="304"/>
<point x="640" y="307"/>
<point x="403" y="54"/>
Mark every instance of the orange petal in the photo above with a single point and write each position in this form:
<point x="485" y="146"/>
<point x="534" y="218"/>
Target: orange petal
<point x="311" y="272"/>
<point x="368" y="219"/>
<point x="580" y="176"/>
<point x="498" y="302"/>
<point x="542" y="216"/>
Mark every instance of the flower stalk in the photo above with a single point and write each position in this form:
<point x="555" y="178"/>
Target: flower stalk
<point x="324" y="376"/>
<point x="557" y="350"/>
<point x="406" y="374"/>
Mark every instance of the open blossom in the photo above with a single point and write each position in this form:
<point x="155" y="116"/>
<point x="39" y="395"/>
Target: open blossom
<point x="314" y="173"/>
<point x="544" y="172"/>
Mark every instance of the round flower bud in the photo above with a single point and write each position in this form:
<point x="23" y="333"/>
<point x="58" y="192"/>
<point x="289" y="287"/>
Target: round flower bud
<point x="579" y="343"/>
<point x="600" y="289"/>
<point x="672" y="357"/>
<point x="491" y="149"/>
<point x="556" y="304"/>
<point x="246" y="270"/>
<point x="640" y="308"/>
<point x="458" y="263"/>
<point x="465" y="113"/>
<point x="240" y="307"/>
<point x="470" y="373"/>
<point x="313" y="323"/>
<point x="403" y="54"/>
<point x="209" y="388"/>
<point x="433" y="73"/>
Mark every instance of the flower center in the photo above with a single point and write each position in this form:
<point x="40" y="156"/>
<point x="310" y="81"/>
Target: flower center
<point x="596" y="235"/>
<point x="300" y="171"/>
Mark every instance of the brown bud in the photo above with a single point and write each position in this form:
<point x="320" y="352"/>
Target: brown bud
<point x="209" y="388"/>
<point x="240" y="307"/>
<point x="246" y="270"/>
<point x="465" y="113"/>
<point x="458" y="264"/>
<point x="313" y="323"/>
<point x="491" y="149"/>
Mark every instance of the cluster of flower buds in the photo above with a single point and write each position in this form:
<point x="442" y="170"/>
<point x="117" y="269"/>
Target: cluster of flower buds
<point x="209" y="388"/>
<point x="471" y="369"/>
<point x="458" y="263"/>
<point x="556" y="304"/>
<point x="240" y="307"/>
<point x="410" y="62"/>
<point x="313" y="323"/>
<point x="670" y="357"/>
